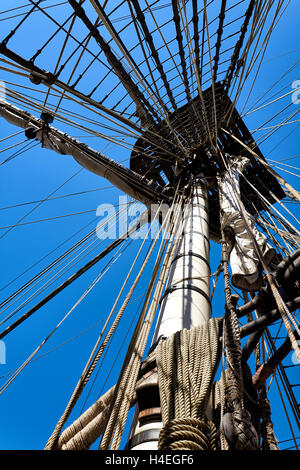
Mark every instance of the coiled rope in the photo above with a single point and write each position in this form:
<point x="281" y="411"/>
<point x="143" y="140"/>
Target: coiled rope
<point x="186" y="365"/>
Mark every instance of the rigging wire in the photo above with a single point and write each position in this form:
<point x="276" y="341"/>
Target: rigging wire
<point x="22" y="14"/>
<point x="24" y="149"/>
<point x="99" y="347"/>
<point x="41" y="356"/>
<point x="78" y="193"/>
<point x="74" y="260"/>
<point x="288" y="391"/>
<point x="40" y="203"/>
<point x="256" y="30"/>
<point x="82" y="297"/>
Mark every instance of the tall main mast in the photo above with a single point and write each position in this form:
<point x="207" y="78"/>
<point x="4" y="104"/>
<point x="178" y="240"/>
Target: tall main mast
<point x="186" y="300"/>
<point x="176" y="145"/>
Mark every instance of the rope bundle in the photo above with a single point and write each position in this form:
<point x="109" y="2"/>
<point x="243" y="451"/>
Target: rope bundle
<point x="88" y="427"/>
<point x="186" y="365"/>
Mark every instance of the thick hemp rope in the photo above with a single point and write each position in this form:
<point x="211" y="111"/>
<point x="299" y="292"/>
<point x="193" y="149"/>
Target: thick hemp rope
<point x="269" y="441"/>
<point x="186" y="364"/>
<point x="236" y="422"/>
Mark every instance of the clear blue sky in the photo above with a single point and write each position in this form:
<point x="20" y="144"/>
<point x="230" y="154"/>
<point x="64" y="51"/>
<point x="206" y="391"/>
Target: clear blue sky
<point x="34" y="402"/>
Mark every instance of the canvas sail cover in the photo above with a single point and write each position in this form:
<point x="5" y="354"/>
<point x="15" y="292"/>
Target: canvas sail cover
<point x="244" y="260"/>
<point x="123" y="178"/>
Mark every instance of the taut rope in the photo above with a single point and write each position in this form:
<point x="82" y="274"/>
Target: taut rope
<point x="236" y="422"/>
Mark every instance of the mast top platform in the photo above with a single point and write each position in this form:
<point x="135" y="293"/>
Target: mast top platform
<point x="206" y="127"/>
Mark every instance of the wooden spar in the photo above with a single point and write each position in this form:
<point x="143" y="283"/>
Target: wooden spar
<point x="185" y="302"/>
<point x="121" y="177"/>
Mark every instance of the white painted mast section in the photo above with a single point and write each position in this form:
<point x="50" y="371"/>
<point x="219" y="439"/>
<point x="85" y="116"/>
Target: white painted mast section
<point x="186" y="301"/>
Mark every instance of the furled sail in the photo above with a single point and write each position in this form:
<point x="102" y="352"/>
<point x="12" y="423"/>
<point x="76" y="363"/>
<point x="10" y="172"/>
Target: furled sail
<point x="244" y="260"/>
<point x="123" y="178"/>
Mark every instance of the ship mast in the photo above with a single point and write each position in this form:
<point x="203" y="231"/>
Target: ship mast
<point x="186" y="300"/>
<point x="185" y="136"/>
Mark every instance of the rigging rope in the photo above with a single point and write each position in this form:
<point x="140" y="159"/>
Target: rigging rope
<point x="236" y="422"/>
<point x="269" y="441"/>
<point x="82" y="297"/>
<point x="89" y="426"/>
<point x="186" y="365"/>
<point x="232" y="339"/>
<point x="129" y="374"/>
<point x="99" y="348"/>
<point x="77" y="252"/>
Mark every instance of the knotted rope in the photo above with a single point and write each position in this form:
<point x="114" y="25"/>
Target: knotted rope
<point x="231" y="330"/>
<point x="236" y="422"/>
<point x="269" y="441"/>
<point x="186" y="365"/>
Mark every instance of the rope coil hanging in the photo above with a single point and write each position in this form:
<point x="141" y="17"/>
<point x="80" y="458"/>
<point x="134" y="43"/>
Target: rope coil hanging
<point x="185" y="385"/>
